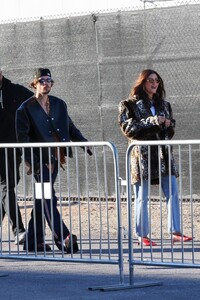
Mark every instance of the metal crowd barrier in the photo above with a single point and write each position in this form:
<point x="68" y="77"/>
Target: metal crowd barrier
<point x="92" y="211"/>
<point x="166" y="252"/>
<point x="86" y="203"/>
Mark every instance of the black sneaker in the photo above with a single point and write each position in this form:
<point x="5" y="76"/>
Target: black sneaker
<point x="40" y="248"/>
<point x="67" y="248"/>
<point x="68" y="241"/>
<point x="20" y="238"/>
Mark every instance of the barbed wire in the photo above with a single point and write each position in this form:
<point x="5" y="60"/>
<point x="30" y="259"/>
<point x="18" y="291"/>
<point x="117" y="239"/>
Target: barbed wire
<point x="145" y="4"/>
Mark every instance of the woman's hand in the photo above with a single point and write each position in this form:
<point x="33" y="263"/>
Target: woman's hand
<point x="167" y="122"/>
<point x="161" y="119"/>
<point x="164" y="121"/>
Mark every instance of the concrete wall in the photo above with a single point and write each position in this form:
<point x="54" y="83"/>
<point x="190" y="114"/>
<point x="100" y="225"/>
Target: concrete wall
<point x="95" y="59"/>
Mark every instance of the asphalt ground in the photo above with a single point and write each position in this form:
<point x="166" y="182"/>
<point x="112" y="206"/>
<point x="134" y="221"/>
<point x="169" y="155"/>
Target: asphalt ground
<point x="20" y="279"/>
<point x="50" y="279"/>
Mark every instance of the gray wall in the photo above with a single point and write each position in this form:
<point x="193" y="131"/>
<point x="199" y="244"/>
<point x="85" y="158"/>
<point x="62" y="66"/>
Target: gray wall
<point x="95" y="59"/>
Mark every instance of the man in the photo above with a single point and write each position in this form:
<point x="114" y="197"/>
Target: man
<point x="11" y="97"/>
<point x="44" y="118"/>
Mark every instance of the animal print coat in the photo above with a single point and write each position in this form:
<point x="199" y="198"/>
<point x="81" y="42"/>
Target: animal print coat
<point x="138" y="123"/>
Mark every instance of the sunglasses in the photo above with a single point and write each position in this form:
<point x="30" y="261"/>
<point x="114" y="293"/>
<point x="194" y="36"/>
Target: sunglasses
<point x="151" y="80"/>
<point x="43" y="81"/>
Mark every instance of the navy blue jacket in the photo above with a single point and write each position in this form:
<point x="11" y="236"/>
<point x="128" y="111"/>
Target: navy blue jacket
<point x="34" y="125"/>
<point x="13" y="96"/>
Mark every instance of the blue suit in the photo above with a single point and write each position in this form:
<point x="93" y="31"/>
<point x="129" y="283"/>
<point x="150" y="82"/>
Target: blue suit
<point x="34" y="125"/>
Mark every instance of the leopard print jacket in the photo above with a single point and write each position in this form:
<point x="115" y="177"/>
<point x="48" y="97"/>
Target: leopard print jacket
<point x="138" y="123"/>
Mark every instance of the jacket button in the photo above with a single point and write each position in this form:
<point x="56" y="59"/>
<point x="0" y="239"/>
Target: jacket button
<point x="52" y="119"/>
<point x="58" y="129"/>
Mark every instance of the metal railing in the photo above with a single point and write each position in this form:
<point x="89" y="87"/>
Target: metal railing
<point x="92" y="212"/>
<point x="167" y="252"/>
<point x="86" y="209"/>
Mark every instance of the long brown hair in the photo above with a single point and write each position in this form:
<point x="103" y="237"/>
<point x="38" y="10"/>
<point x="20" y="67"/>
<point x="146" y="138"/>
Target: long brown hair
<point x="137" y="89"/>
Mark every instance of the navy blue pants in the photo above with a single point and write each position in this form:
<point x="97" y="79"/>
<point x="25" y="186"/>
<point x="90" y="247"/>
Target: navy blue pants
<point x="51" y="213"/>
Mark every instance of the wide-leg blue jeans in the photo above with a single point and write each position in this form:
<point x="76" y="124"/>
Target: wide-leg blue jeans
<point x="141" y="205"/>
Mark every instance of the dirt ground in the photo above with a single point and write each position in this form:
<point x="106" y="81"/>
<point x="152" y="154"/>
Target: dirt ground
<point x="100" y="219"/>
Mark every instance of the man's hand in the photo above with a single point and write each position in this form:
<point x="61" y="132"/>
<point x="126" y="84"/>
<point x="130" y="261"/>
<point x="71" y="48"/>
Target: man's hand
<point x="89" y="150"/>
<point x="50" y="167"/>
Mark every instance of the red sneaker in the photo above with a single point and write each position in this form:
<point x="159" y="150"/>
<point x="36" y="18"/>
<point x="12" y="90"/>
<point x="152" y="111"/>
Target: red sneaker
<point x="180" y="238"/>
<point x="146" y="242"/>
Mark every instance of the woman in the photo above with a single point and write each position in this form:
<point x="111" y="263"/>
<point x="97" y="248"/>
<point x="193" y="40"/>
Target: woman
<point x="145" y="115"/>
